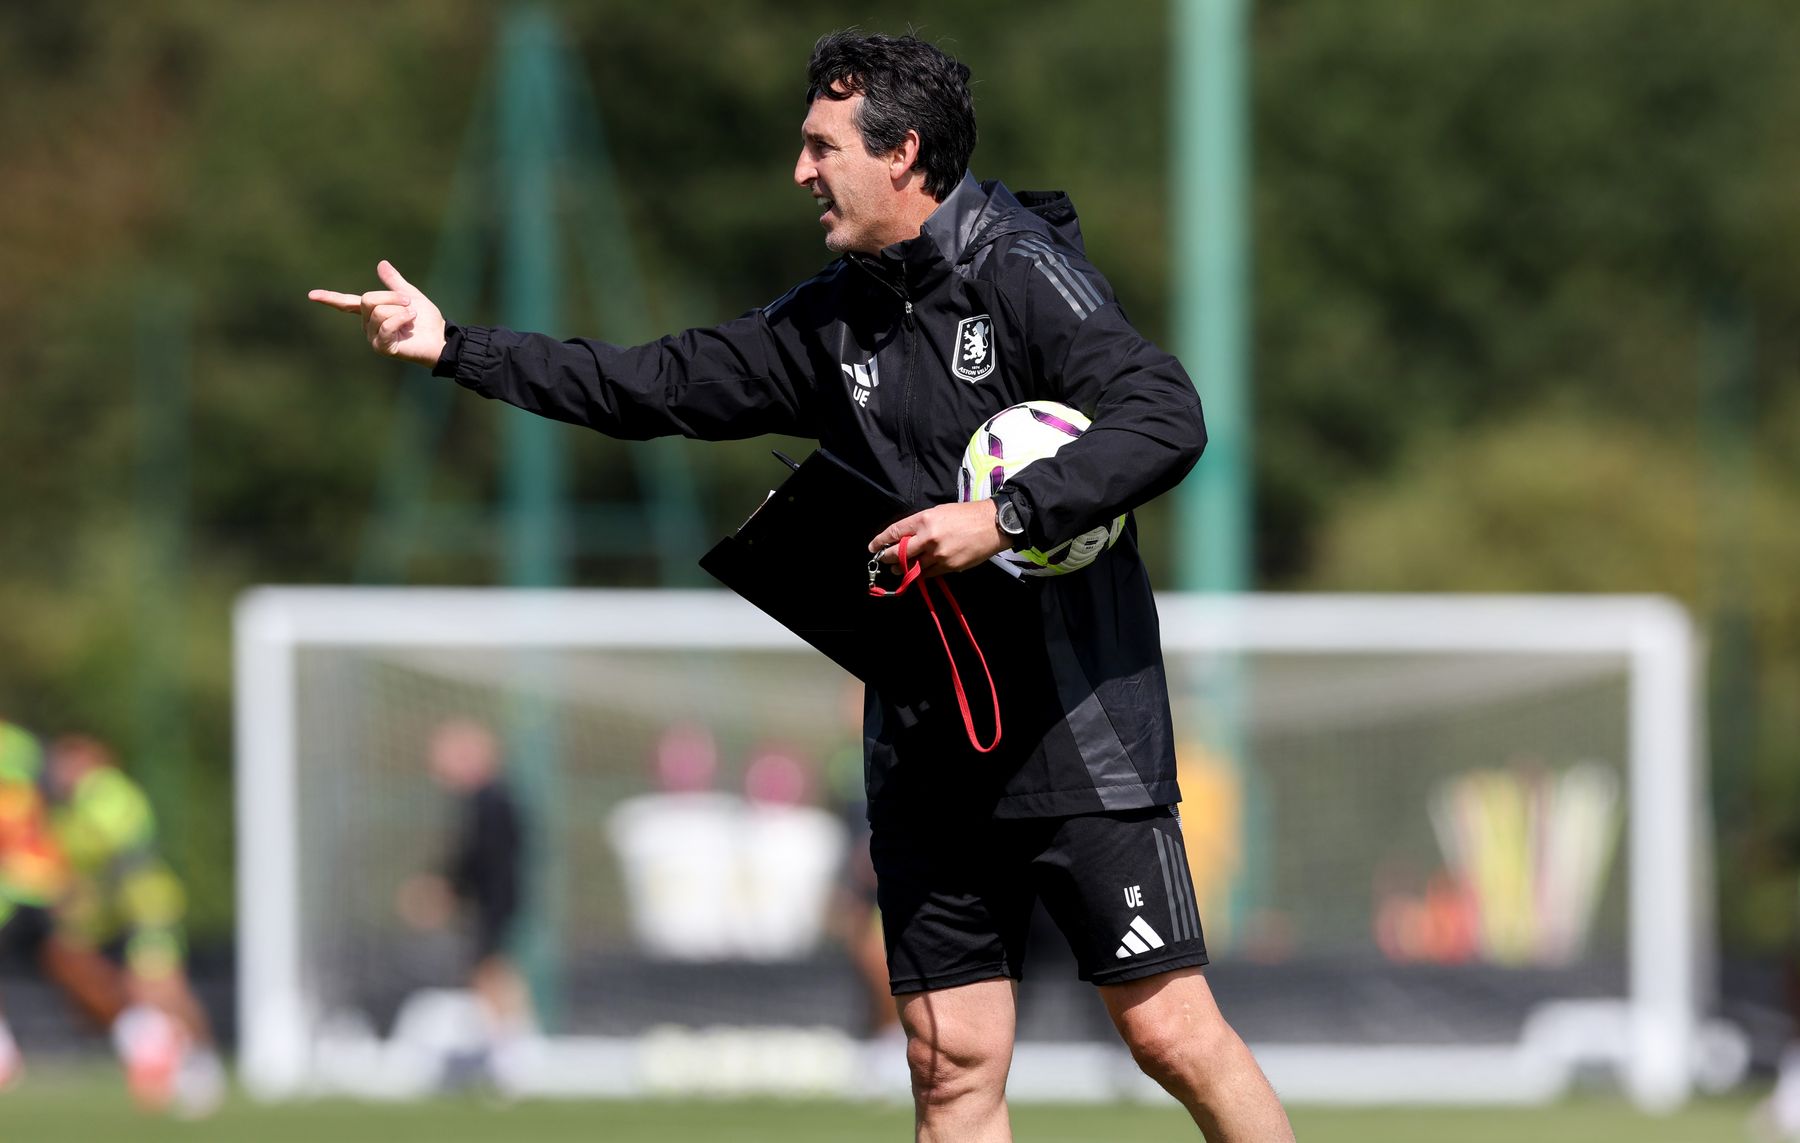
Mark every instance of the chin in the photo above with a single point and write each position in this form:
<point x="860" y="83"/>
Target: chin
<point x="844" y="239"/>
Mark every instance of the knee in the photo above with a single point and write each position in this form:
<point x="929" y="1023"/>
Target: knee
<point x="1178" y="1052"/>
<point x="948" y="1065"/>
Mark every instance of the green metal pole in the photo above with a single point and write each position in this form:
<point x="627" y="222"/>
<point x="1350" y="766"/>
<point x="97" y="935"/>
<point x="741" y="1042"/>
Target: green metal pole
<point x="1727" y="433"/>
<point x="1210" y="175"/>
<point x="1212" y="273"/>
<point x="160" y="758"/>
<point x="530" y="275"/>
<point x="531" y="141"/>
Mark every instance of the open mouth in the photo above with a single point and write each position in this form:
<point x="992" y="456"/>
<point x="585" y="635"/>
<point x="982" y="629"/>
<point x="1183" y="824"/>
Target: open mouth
<point x="826" y="206"/>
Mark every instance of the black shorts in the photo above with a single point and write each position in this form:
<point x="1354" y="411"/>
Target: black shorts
<point x="22" y="935"/>
<point x="956" y="902"/>
<point x="492" y="924"/>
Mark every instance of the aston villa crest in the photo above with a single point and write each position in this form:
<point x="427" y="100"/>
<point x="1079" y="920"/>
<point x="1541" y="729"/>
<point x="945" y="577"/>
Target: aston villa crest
<point x="972" y="358"/>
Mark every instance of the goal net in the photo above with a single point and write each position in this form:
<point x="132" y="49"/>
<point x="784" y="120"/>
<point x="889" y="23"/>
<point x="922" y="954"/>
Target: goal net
<point x="1446" y="848"/>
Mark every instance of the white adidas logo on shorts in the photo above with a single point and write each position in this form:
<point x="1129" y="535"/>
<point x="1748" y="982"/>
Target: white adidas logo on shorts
<point x="1140" y="938"/>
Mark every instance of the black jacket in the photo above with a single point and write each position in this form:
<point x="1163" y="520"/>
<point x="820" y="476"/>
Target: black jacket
<point x="485" y="868"/>
<point x="873" y="358"/>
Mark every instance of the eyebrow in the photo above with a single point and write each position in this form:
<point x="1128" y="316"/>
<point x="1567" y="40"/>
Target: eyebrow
<point x="815" y="137"/>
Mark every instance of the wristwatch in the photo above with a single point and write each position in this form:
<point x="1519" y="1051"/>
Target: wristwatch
<point x="1007" y="517"/>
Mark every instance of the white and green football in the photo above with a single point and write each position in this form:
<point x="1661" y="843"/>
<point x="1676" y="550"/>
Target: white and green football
<point x="1001" y="448"/>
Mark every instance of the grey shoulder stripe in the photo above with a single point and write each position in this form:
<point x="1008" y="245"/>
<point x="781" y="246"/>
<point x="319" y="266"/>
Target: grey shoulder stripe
<point x="1050" y="276"/>
<point x="1057" y="276"/>
<point x="1035" y="242"/>
<point x="1082" y="286"/>
<point x="1089" y="301"/>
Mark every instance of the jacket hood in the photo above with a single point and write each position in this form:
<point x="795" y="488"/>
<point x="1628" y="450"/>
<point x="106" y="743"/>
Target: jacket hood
<point x="976" y="214"/>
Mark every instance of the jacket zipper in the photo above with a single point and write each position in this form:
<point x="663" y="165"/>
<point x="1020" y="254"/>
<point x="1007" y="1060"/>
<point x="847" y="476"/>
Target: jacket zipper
<point x="906" y="419"/>
<point x="908" y="440"/>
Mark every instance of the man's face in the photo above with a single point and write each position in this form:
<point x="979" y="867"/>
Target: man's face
<point x="463" y="755"/>
<point x="70" y="760"/>
<point x="854" y="189"/>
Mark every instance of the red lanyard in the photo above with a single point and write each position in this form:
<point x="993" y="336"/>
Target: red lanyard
<point x="909" y="574"/>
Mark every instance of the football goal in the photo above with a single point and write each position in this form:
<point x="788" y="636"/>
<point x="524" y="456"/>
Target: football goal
<point x="1446" y="848"/>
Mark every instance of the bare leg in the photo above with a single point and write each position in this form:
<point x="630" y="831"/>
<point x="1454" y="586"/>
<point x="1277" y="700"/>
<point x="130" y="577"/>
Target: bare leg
<point x="1178" y="1036"/>
<point x="959" y="1049"/>
<point x="102" y="990"/>
<point x="91" y="982"/>
<point x="503" y="995"/>
<point x="11" y="1063"/>
<point x="172" y="993"/>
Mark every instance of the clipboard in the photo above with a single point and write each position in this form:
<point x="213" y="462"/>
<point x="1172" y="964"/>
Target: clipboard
<point x="803" y="558"/>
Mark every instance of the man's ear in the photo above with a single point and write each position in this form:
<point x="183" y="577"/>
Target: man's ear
<point x="904" y="158"/>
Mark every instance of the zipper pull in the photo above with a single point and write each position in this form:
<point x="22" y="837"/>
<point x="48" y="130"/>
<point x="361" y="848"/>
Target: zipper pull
<point x="909" y="317"/>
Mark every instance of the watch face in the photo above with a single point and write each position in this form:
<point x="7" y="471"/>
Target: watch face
<point x="1008" y="516"/>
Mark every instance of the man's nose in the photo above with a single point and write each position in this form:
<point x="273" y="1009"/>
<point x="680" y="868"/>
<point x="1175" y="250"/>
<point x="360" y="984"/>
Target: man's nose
<point x="805" y="171"/>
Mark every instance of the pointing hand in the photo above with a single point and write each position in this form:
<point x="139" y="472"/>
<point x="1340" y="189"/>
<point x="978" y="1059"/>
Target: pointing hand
<point x="398" y="321"/>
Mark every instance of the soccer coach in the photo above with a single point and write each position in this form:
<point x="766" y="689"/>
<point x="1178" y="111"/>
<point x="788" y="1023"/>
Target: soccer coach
<point x="950" y="300"/>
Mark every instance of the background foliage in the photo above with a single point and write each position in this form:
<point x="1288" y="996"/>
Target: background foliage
<point x="1505" y="255"/>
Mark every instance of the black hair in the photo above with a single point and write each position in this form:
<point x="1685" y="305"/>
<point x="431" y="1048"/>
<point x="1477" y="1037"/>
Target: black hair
<point x="906" y="85"/>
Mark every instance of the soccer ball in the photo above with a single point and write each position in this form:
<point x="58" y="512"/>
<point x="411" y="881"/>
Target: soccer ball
<point x="1001" y="448"/>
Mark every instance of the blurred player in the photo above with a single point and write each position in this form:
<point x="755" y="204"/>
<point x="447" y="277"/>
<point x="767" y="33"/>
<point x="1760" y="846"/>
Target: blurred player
<point x="117" y="945"/>
<point x="711" y="876"/>
<point x="789" y="852"/>
<point x="482" y="879"/>
<point x="40" y="895"/>
<point x="677" y="847"/>
<point x="32" y="872"/>
<point x="951" y="300"/>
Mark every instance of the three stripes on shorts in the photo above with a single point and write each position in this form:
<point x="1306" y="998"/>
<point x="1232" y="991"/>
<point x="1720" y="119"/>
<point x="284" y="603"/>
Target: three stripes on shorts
<point x="1140" y="937"/>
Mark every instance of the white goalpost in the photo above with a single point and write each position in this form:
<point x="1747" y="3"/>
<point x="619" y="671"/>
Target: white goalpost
<point x="1449" y="848"/>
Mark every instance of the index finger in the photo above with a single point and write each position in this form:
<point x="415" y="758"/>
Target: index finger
<point x="349" y="303"/>
<point x="893" y="532"/>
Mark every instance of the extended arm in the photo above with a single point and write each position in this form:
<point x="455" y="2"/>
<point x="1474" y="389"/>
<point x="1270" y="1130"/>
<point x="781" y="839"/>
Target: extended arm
<point x="728" y="382"/>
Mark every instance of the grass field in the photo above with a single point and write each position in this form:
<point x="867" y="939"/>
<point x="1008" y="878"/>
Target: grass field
<point x="86" y="1106"/>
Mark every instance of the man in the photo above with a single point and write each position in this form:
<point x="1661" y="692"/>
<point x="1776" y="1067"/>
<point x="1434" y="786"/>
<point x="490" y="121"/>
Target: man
<point x="951" y="300"/>
<point x="45" y="893"/>
<point x="33" y="873"/>
<point x="483" y="874"/>
<point x="124" y="900"/>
